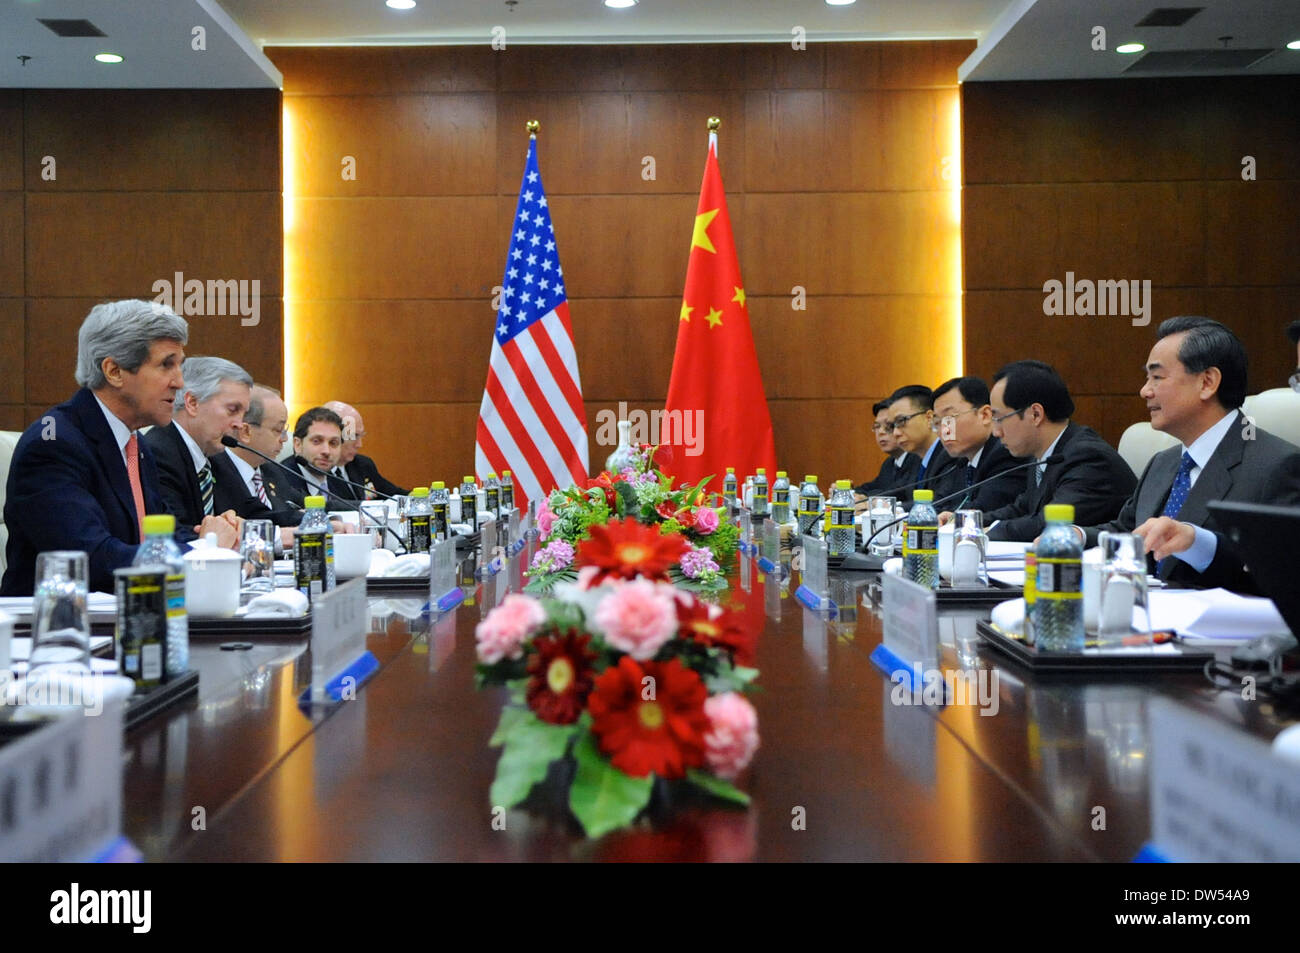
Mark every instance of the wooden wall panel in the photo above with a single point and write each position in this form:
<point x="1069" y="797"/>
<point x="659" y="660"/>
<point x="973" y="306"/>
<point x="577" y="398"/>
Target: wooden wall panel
<point x="148" y="183"/>
<point x="834" y="163"/>
<point x="11" y="140"/>
<point x="1129" y="179"/>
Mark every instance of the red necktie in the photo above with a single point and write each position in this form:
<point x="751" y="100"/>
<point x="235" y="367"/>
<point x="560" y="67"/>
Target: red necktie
<point x="133" y="474"/>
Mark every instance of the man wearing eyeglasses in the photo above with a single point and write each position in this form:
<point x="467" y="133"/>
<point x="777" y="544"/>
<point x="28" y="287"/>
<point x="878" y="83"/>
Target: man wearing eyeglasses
<point x="899" y="468"/>
<point x="354" y="466"/>
<point x="1031" y="416"/>
<point x="912" y="412"/>
<point x="244" y="482"/>
<point x="1195" y="386"/>
<point x="965" y="421"/>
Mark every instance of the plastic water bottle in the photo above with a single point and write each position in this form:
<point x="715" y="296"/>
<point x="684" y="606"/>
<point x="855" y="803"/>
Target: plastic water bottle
<point x="469" y="502"/>
<point x="1058" y="602"/>
<point x="439" y="500"/>
<point x="759" y="506"/>
<point x="810" y="507"/>
<point x="781" y="497"/>
<point x="492" y="496"/>
<point x="313" y="550"/>
<point x="159" y="549"/>
<point x="419" y="519"/>
<point x="841" y="537"/>
<point x="729" y="487"/>
<point x="507" y="492"/>
<point x="921" y="541"/>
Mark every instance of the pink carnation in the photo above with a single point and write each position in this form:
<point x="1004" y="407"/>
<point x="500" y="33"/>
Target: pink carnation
<point x="502" y="633"/>
<point x="638" y="618"/>
<point x="545" y="518"/>
<point x="732" y="738"/>
<point x="706" y="520"/>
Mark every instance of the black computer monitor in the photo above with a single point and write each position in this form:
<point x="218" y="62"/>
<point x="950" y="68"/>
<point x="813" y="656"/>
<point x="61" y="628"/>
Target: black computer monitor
<point x="1268" y="541"/>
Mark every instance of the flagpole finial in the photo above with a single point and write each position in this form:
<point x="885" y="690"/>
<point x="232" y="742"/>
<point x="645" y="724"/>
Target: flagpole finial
<point x="714" y="123"/>
<point x="532" y="126"/>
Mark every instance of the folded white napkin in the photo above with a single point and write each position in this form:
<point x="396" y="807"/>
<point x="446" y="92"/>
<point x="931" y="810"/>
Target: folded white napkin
<point x="281" y="604"/>
<point x="1009" y="616"/>
<point x="412" y="564"/>
<point x="893" y="565"/>
<point x="380" y="559"/>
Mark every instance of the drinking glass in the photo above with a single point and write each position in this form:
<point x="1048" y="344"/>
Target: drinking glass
<point x="257" y="546"/>
<point x="60" y="619"/>
<point x="880" y="510"/>
<point x="969" y="530"/>
<point x="374" y="520"/>
<point x="1123" y="587"/>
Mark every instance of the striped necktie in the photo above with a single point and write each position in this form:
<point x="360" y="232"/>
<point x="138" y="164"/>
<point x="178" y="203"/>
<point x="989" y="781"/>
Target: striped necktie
<point x="260" y="490"/>
<point x="205" y="488"/>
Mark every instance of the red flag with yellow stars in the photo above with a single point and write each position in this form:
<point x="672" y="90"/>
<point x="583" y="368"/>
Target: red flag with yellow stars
<point x="716" y="410"/>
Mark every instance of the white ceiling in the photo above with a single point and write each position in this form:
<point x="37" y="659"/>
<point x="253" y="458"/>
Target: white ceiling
<point x="1018" y="39"/>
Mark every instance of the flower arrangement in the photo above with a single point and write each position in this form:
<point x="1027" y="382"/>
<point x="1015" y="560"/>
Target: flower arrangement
<point x="623" y="675"/>
<point x="642" y="493"/>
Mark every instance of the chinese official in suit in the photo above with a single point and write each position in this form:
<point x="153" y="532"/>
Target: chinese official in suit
<point x="1196" y="382"/>
<point x="899" y="468"/>
<point x="81" y="478"/>
<point x="911" y="410"/>
<point x="1031" y="416"/>
<point x="965" y="418"/>
<point x="209" y="406"/>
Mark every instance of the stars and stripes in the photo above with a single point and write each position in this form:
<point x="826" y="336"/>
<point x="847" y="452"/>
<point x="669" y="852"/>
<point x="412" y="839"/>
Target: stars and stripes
<point x="532" y="421"/>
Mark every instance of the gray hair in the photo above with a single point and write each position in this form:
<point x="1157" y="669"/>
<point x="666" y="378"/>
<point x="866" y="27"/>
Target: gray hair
<point x="256" y="412"/>
<point x="203" y="377"/>
<point x="124" y="331"/>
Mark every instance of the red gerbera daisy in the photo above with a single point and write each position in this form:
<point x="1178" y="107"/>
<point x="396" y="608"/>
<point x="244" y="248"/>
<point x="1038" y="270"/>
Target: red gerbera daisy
<point x="649" y="717"/>
<point x="712" y="626"/>
<point x="561" y="677"/>
<point x="625" y="549"/>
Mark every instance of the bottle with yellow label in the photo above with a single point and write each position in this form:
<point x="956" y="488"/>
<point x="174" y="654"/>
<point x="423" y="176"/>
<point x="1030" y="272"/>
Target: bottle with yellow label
<point x="921" y="541"/>
<point x="1058" y="589"/>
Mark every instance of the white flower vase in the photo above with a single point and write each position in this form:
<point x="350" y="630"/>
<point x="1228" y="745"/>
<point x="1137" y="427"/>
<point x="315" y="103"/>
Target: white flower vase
<point x="623" y="454"/>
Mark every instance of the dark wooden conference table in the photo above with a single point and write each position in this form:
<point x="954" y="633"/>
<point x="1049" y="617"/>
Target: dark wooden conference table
<point x="402" y="772"/>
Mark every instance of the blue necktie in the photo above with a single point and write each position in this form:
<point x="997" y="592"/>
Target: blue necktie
<point x="970" y="474"/>
<point x="1178" y="495"/>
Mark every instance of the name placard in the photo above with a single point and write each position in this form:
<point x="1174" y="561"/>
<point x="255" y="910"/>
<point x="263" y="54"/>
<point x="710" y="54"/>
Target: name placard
<point x="769" y="559"/>
<point x="910" y="626"/>
<point x="1217" y="793"/>
<point x="814" y="589"/>
<point x="340" y="661"/>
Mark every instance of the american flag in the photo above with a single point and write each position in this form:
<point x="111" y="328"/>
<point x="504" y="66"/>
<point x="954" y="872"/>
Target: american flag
<point x="532" y="421"/>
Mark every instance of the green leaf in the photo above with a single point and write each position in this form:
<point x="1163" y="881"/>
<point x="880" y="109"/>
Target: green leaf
<point x="602" y="797"/>
<point x="511" y="718"/>
<point x="530" y="748"/>
<point x="717" y="787"/>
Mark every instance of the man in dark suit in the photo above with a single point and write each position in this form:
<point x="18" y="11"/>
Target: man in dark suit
<point x="911" y="410"/>
<point x="1031" y="416"/>
<point x="245" y="482"/>
<point x="899" y="468"/>
<point x="353" y="465"/>
<point x="317" y="442"/>
<point x="211" y="405"/>
<point x="1196" y="382"/>
<point x="81" y="478"/>
<point x="966" y="429"/>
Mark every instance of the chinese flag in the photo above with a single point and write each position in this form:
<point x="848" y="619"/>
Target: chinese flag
<point x="716" y="407"/>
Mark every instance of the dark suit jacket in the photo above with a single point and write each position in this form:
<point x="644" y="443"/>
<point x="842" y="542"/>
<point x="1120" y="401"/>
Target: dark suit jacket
<point x="180" y="483"/>
<point x="362" y="470"/>
<point x="891" y="476"/>
<point x="1093" y="477"/>
<point x="940" y="469"/>
<point x="1265" y="469"/>
<point x="232" y="493"/>
<point x="71" y="491"/>
<point x="995" y="460"/>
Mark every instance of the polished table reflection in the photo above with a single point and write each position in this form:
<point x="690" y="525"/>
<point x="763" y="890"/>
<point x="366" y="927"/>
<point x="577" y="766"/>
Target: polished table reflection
<point x="845" y="771"/>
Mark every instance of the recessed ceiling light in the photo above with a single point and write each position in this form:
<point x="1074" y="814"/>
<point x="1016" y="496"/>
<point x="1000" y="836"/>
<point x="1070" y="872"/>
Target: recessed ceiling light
<point x="1130" y="48"/>
<point x="1293" y="45"/>
<point x="840" y="3"/>
<point x="108" y="58"/>
<point x="620" y="4"/>
<point x="400" y="4"/>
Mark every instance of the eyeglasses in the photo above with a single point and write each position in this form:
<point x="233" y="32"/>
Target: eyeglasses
<point x="950" y="420"/>
<point x="284" y="431"/>
<point x="1009" y="414"/>
<point x="901" y="422"/>
<point x="882" y="428"/>
<point x="1295" y="381"/>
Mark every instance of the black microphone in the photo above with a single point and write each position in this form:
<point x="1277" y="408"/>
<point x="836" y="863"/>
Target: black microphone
<point x="952" y="462"/>
<point x="1046" y="461"/>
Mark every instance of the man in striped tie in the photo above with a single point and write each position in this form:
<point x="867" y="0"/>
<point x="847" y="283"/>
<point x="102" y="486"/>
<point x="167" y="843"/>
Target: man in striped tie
<point x="245" y="483"/>
<point x="81" y="478"/>
<point x="210" y="405"/>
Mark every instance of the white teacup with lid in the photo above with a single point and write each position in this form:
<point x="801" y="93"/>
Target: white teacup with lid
<point x="212" y="579"/>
